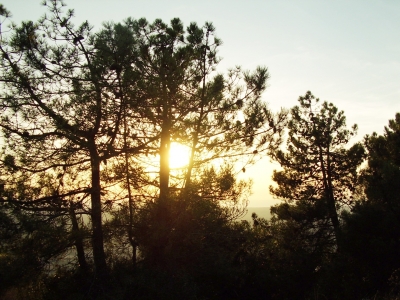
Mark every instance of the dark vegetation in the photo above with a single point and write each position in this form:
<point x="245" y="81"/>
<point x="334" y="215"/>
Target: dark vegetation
<point x="84" y="215"/>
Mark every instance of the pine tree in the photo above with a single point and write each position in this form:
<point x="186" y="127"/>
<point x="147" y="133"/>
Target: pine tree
<point x="319" y="173"/>
<point x="184" y="100"/>
<point x="61" y="116"/>
<point x="381" y="177"/>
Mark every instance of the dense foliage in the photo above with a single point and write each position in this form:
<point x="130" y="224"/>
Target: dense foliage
<point x="91" y="209"/>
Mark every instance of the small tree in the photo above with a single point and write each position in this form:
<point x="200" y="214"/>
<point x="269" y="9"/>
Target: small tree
<point x="319" y="174"/>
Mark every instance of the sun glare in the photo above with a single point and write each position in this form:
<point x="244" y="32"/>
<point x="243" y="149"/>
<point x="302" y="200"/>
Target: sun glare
<point x="178" y="156"/>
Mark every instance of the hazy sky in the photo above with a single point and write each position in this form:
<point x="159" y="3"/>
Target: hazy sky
<point x="345" y="52"/>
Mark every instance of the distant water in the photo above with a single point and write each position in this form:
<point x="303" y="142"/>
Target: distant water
<point x="262" y="212"/>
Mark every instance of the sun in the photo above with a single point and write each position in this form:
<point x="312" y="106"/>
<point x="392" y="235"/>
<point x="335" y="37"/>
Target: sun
<point x="179" y="156"/>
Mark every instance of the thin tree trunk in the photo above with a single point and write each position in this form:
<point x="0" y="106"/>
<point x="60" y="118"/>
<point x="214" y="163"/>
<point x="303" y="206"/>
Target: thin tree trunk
<point x="164" y="163"/>
<point x="76" y="233"/>
<point x="328" y="191"/>
<point x="165" y="143"/>
<point x="332" y="203"/>
<point x="131" y="238"/>
<point x="197" y="132"/>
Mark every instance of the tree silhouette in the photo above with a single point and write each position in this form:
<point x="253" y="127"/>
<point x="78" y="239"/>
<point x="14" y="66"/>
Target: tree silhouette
<point x="185" y="101"/>
<point x="381" y="176"/>
<point x="62" y="117"/>
<point x="319" y="174"/>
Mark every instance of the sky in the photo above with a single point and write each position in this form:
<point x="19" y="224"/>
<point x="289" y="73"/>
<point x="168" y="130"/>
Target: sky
<point x="344" y="52"/>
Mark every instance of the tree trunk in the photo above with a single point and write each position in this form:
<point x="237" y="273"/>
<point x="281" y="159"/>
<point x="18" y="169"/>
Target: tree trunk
<point x="328" y="192"/>
<point x="197" y="132"/>
<point x="96" y="216"/>
<point x="131" y="238"/>
<point x="165" y="143"/>
<point x="78" y="240"/>
<point x="164" y="163"/>
<point x="332" y="203"/>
